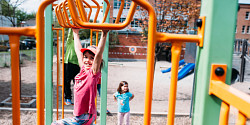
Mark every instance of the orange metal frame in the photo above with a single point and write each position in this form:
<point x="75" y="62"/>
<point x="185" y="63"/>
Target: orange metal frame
<point x="76" y="7"/>
<point x="177" y="41"/>
<point x="14" y="35"/>
<point x="58" y="71"/>
<point x="229" y="96"/>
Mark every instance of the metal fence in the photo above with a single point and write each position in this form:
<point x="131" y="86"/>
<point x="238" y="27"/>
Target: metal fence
<point x="241" y="50"/>
<point x="5" y="58"/>
<point x="29" y="55"/>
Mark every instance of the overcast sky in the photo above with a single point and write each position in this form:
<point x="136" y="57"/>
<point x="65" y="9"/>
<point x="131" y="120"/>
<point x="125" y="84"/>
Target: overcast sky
<point x="30" y="6"/>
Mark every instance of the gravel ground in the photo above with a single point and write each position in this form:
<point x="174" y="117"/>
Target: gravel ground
<point x="29" y="118"/>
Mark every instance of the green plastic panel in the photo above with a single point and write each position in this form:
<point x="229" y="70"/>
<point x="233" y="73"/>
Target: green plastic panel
<point x="218" y="48"/>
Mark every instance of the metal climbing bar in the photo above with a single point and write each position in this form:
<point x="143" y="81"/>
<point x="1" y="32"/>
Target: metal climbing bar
<point x="163" y="37"/>
<point x="85" y="24"/>
<point x="58" y="71"/>
<point x="228" y="95"/>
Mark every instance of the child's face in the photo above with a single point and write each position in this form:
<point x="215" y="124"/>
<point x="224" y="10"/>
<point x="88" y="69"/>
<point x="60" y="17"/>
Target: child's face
<point x="88" y="60"/>
<point x="125" y="88"/>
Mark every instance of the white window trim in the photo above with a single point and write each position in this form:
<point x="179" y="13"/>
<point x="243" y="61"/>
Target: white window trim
<point x="244" y="30"/>
<point x="236" y="29"/>
<point x="248" y="15"/>
<point x="248" y="30"/>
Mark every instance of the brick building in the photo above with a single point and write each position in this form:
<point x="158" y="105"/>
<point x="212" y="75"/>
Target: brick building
<point x="130" y="38"/>
<point x="243" y="20"/>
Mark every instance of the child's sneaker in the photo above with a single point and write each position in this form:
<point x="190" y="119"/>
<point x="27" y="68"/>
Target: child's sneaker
<point x="68" y="102"/>
<point x="108" y="113"/>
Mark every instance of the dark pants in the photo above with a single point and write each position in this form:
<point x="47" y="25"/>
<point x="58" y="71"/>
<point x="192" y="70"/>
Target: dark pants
<point x="99" y="89"/>
<point x="70" y="71"/>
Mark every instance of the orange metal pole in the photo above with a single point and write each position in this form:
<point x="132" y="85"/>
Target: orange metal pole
<point x="62" y="73"/>
<point x="163" y="37"/>
<point x="150" y="58"/>
<point x="81" y="10"/>
<point x="57" y="74"/>
<point x="96" y="40"/>
<point x="97" y="11"/>
<point x="15" y="78"/>
<point x="241" y="119"/>
<point x="64" y="15"/>
<point x="40" y="61"/>
<point x="90" y="9"/>
<point x="27" y="31"/>
<point x="58" y="16"/>
<point x="58" y="66"/>
<point x="38" y="31"/>
<point x="64" y="6"/>
<point x="91" y="36"/>
<point x="106" y="11"/>
<point x="75" y="18"/>
<point x="230" y="95"/>
<point x="120" y="12"/>
<point x="224" y="113"/>
<point x="175" y="51"/>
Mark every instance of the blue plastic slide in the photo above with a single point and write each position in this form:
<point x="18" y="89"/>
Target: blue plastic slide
<point x="169" y="69"/>
<point x="185" y="70"/>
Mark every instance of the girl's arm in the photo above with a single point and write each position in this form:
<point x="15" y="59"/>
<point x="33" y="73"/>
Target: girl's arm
<point x="131" y="97"/>
<point x="98" y="57"/>
<point x="114" y="97"/>
<point x="78" y="47"/>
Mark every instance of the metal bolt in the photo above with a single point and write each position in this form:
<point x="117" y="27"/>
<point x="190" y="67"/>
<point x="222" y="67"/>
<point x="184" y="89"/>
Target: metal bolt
<point x="219" y="71"/>
<point x="199" y="22"/>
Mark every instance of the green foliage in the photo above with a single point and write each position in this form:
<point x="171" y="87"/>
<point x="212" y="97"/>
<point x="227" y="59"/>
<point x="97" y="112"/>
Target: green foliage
<point x="113" y="38"/>
<point x="22" y="16"/>
<point x="173" y="16"/>
<point x="84" y="33"/>
<point x="13" y="14"/>
<point x="5" y="65"/>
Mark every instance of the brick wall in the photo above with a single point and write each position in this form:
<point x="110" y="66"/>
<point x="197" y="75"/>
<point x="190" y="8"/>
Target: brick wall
<point x="242" y="21"/>
<point x="122" y="51"/>
<point x="128" y="42"/>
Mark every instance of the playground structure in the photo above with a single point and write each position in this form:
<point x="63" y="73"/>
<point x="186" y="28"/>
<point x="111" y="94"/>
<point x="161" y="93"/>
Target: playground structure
<point x="212" y="72"/>
<point x="184" y="71"/>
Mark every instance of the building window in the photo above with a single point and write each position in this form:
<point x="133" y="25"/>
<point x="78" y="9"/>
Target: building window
<point x="127" y="3"/>
<point x="243" y="29"/>
<point x="236" y="29"/>
<point x="247" y="16"/>
<point x="134" y="22"/>
<point x="248" y="28"/>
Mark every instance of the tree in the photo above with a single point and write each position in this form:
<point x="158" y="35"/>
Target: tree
<point x="22" y="16"/>
<point x="173" y="16"/>
<point x="13" y="14"/>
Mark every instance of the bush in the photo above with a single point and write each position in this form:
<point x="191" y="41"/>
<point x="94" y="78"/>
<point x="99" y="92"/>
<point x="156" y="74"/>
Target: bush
<point x="4" y="48"/>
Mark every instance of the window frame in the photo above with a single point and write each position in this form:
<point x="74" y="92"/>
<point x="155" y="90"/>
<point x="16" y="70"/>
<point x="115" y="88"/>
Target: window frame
<point x="247" y="15"/>
<point x="248" y="30"/>
<point x="243" y="29"/>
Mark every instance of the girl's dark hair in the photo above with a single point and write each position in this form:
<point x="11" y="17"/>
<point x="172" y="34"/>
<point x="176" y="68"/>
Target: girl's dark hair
<point x="122" y="83"/>
<point x="90" y="52"/>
